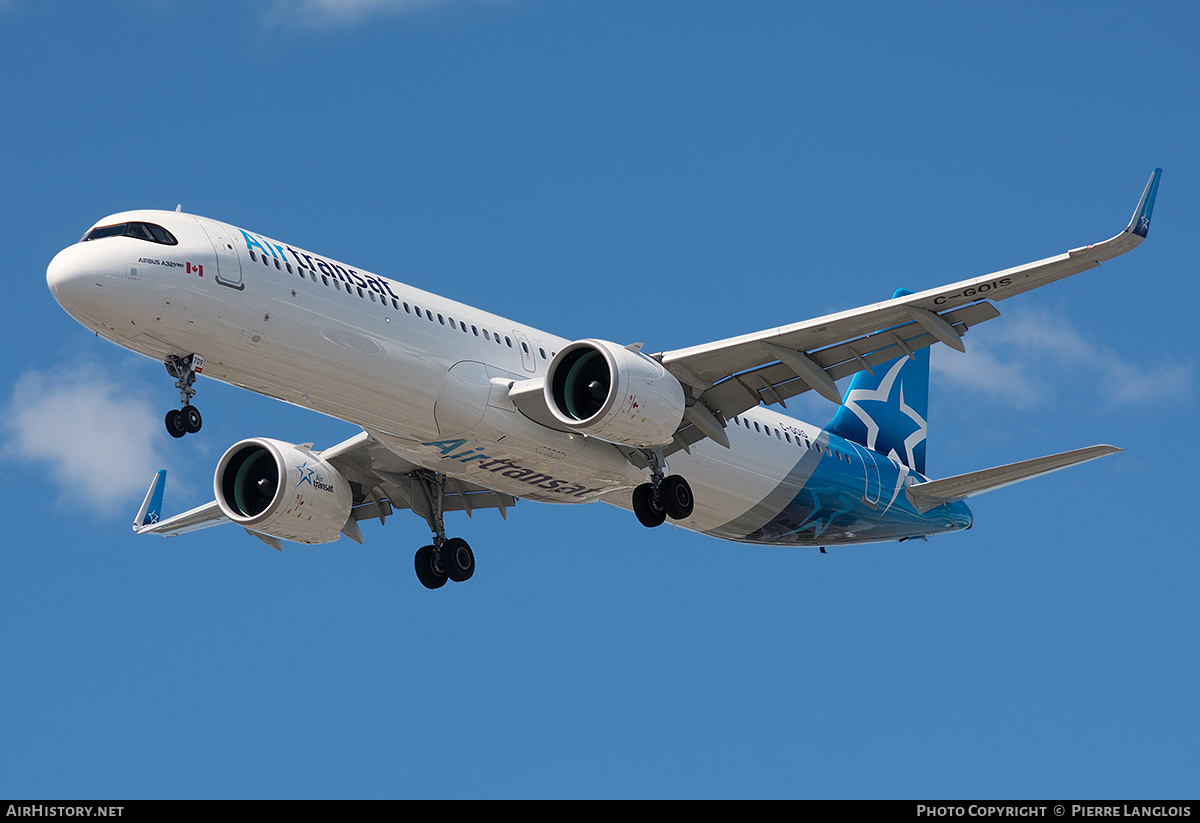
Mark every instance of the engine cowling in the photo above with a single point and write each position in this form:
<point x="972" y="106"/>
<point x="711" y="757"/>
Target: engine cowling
<point x="610" y="392"/>
<point x="281" y="490"/>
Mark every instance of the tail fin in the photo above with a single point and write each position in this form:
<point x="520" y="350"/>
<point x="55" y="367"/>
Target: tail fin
<point x="886" y="409"/>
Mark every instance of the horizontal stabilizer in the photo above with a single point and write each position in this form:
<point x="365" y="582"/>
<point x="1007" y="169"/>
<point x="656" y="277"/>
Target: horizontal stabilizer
<point x="926" y="496"/>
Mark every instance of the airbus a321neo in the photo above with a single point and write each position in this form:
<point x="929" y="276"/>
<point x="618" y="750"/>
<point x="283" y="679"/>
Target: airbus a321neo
<point x="462" y="410"/>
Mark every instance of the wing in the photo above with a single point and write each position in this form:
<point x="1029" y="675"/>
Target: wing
<point x="382" y="482"/>
<point x="730" y="376"/>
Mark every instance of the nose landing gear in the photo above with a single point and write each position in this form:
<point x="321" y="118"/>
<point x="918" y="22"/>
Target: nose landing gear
<point x="186" y="419"/>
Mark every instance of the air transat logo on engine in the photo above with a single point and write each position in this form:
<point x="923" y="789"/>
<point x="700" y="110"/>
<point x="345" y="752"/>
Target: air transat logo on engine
<point x="312" y="478"/>
<point x="508" y="467"/>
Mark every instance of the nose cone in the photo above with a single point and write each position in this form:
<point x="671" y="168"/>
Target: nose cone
<point x="76" y="279"/>
<point x="68" y="274"/>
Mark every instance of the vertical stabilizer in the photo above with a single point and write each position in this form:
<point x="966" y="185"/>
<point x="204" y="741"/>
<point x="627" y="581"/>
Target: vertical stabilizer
<point x="887" y="410"/>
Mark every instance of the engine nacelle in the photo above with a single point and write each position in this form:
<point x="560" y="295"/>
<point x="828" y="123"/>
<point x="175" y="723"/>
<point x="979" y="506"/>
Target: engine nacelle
<point x="281" y="490"/>
<point x="610" y="392"/>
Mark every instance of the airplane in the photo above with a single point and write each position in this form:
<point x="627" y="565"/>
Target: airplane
<point x="462" y="410"/>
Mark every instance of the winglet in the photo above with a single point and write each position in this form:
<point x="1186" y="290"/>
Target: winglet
<point x="151" y="511"/>
<point x="1140" y="223"/>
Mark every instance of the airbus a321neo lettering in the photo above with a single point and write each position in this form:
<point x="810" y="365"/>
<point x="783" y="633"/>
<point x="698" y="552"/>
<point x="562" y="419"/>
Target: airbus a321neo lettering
<point x="462" y="410"/>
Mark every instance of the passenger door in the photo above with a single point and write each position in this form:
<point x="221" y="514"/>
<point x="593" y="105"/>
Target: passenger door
<point x="229" y="265"/>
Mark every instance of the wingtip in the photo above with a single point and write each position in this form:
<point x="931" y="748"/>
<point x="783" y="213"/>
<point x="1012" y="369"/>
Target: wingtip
<point x="151" y="510"/>
<point x="1140" y="223"/>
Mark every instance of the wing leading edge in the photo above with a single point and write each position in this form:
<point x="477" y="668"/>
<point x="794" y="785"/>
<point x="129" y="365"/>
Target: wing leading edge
<point x="729" y="376"/>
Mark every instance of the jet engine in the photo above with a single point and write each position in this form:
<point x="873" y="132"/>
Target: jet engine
<point x="282" y="490"/>
<point x="608" y="391"/>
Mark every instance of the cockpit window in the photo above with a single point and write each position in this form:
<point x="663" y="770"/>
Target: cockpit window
<point x="142" y="231"/>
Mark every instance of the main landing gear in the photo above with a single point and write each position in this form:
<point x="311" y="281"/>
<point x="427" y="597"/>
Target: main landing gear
<point x="446" y="559"/>
<point x="664" y="496"/>
<point x="186" y="419"/>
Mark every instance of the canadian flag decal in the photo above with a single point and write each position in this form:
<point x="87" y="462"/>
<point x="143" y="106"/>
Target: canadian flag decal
<point x="192" y="268"/>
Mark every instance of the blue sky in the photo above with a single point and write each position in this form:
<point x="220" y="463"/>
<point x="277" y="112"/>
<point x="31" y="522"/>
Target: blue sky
<point x="665" y="172"/>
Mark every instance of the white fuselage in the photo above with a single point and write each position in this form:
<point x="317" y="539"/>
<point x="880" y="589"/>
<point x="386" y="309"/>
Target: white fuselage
<point x="428" y="375"/>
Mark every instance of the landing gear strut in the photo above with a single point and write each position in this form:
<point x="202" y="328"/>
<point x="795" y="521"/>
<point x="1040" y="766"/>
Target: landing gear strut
<point x="664" y="496"/>
<point x="446" y="559"/>
<point x="186" y="419"/>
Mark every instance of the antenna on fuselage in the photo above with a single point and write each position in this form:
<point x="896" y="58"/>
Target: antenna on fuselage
<point x="179" y="208"/>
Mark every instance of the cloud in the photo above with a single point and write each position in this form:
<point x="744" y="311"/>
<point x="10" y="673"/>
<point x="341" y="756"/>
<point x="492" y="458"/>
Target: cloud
<point x="327" y="13"/>
<point x="89" y="431"/>
<point x="1029" y="358"/>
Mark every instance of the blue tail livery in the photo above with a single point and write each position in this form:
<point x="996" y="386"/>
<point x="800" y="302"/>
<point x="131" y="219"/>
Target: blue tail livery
<point x="886" y="409"/>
